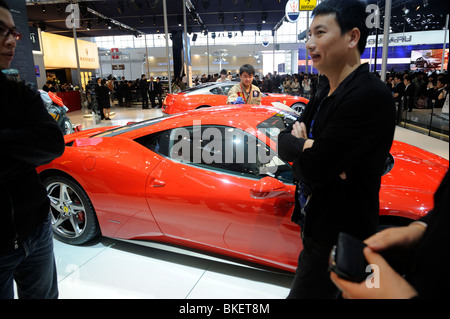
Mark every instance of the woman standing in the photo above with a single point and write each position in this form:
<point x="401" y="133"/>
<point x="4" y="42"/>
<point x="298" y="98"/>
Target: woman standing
<point x="295" y="87"/>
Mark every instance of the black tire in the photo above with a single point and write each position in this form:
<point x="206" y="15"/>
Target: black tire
<point x="72" y="214"/>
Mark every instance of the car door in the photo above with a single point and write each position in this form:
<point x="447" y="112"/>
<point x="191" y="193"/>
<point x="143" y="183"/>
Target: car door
<point x="209" y="190"/>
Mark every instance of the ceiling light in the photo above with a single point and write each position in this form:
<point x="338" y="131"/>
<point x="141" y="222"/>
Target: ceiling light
<point x="264" y="17"/>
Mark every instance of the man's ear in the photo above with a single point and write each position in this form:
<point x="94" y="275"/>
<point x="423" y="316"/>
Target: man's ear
<point x="355" y="35"/>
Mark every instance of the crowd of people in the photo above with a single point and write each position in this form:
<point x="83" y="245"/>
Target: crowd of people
<point x="418" y="90"/>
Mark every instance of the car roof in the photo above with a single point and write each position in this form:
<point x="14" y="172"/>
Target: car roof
<point x="208" y="86"/>
<point x="244" y="117"/>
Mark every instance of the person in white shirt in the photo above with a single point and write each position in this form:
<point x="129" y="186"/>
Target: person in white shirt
<point x="223" y="76"/>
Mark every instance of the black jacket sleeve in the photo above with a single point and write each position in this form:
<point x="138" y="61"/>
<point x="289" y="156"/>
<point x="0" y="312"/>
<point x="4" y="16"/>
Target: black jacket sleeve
<point x="29" y="136"/>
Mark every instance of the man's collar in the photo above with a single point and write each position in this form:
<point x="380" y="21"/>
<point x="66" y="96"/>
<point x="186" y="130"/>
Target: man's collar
<point x="363" y="68"/>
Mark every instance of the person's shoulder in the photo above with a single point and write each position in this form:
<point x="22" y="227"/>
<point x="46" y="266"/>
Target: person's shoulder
<point x="255" y="88"/>
<point x="235" y="87"/>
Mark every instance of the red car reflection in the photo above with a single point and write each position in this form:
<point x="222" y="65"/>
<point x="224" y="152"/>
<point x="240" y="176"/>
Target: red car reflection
<point x="156" y="181"/>
<point x="216" y="94"/>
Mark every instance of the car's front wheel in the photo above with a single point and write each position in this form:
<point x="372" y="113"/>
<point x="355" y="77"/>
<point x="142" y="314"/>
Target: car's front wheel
<point x="298" y="107"/>
<point x="72" y="214"/>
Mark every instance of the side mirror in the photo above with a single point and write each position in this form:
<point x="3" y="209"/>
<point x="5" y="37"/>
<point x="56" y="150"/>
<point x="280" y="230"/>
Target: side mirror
<point x="269" y="187"/>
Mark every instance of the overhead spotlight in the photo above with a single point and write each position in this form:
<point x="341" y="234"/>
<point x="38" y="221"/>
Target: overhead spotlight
<point x="221" y="18"/>
<point x="43" y="10"/>
<point x="235" y="17"/>
<point x="425" y="3"/>
<point x="264" y="17"/>
<point x="141" y="21"/>
<point x="89" y="25"/>
<point x="242" y="18"/>
<point x="405" y="10"/>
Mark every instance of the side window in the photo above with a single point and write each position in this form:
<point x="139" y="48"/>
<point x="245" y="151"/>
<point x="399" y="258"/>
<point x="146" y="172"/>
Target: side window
<point x="226" y="149"/>
<point x="217" y="91"/>
<point x="158" y="143"/>
<point x="226" y="89"/>
<point x="219" y="148"/>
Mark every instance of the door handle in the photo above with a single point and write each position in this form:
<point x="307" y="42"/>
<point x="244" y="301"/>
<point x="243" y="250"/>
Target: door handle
<point x="157" y="182"/>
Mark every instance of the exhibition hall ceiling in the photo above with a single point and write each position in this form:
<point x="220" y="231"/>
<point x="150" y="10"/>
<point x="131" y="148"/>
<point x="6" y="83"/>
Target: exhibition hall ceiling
<point x="147" y="16"/>
<point x="120" y="17"/>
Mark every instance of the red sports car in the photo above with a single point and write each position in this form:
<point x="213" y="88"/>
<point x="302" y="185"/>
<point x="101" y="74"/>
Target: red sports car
<point x="209" y="180"/>
<point x="216" y="94"/>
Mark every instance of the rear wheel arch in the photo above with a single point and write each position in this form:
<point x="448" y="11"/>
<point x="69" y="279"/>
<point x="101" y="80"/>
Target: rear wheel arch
<point x="88" y="222"/>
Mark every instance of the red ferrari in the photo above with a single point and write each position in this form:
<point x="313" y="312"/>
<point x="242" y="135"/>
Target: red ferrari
<point x="208" y="180"/>
<point x="216" y="94"/>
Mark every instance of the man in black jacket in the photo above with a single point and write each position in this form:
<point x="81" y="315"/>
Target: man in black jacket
<point x="143" y="89"/>
<point x="159" y="91"/>
<point x="29" y="137"/>
<point x="340" y="147"/>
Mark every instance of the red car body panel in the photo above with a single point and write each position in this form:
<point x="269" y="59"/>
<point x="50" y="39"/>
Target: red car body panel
<point x="181" y="102"/>
<point x="141" y="195"/>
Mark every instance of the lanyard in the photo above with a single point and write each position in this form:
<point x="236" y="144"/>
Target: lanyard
<point x="310" y="135"/>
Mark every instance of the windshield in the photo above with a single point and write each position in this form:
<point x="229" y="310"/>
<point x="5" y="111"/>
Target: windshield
<point x="277" y="123"/>
<point x="201" y="86"/>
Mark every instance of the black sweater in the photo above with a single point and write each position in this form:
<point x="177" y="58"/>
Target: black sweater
<point x="429" y="267"/>
<point x="29" y="137"/>
<point x="353" y="133"/>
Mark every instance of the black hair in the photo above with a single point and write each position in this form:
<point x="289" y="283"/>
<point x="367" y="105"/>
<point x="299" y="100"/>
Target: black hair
<point x="349" y="14"/>
<point x="248" y="69"/>
<point x="223" y="71"/>
<point x="442" y="80"/>
<point x="3" y="4"/>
